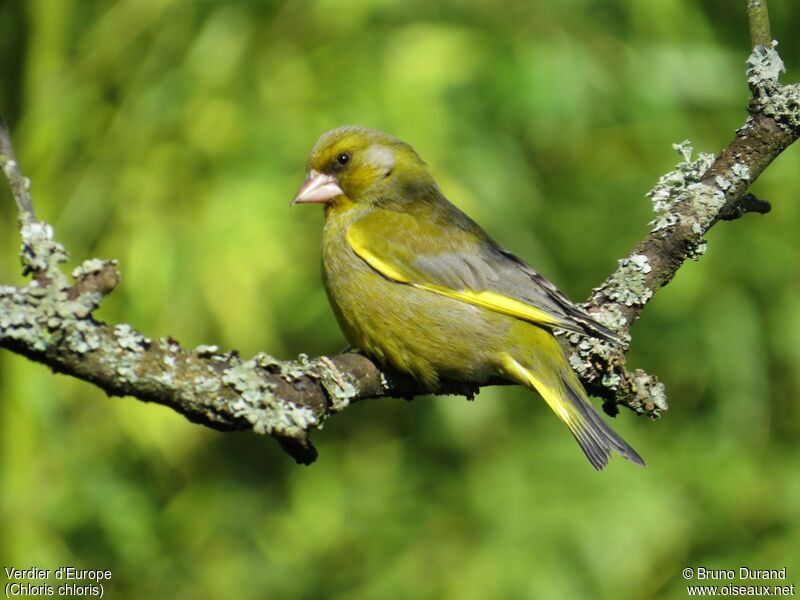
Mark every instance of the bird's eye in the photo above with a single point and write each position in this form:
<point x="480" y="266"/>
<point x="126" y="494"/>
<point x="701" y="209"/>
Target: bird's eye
<point x="343" y="159"/>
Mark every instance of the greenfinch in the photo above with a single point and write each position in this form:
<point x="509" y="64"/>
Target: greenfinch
<point x="418" y="286"/>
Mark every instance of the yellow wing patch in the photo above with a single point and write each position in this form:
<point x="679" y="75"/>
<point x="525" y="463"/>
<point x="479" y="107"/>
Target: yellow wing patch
<point x="357" y="243"/>
<point x="486" y="298"/>
<point x="498" y="303"/>
<point x="553" y="397"/>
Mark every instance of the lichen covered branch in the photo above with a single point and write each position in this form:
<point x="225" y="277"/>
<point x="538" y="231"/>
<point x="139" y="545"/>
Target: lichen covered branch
<point x="50" y="320"/>
<point x="688" y="201"/>
<point x="285" y="399"/>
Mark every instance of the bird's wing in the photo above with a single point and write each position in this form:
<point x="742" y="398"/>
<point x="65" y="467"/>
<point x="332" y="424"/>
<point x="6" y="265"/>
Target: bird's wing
<point x="449" y="254"/>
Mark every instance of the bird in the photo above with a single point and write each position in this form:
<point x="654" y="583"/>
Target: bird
<point x="421" y="288"/>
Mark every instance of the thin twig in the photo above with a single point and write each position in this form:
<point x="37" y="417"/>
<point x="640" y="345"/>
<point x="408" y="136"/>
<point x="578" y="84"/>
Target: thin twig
<point x="758" y="18"/>
<point x="20" y="185"/>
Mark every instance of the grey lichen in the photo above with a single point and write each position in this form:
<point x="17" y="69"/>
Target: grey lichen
<point x="126" y="373"/>
<point x="579" y="363"/>
<point x="589" y="352"/>
<point x="611" y="380"/>
<point x="338" y="386"/>
<point x="169" y="361"/>
<point x="14" y="321"/>
<point x="339" y="389"/>
<point x="206" y="384"/>
<point x="640" y="263"/>
<point x="27" y="315"/>
<point x="206" y="350"/>
<point x="167" y="344"/>
<point x="43" y="311"/>
<point x="764" y="66"/>
<point x="89" y="267"/>
<point x="130" y="339"/>
<point x="628" y="283"/>
<point x="671" y="189"/>
<point x="706" y="202"/>
<point x="722" y="183"/>
<point x="289" y="370"/>
<point x="741" y="171"/>
<point x="658" y="395"/>
<point x="41" y="253"/>
<point x="603" y="364"/>
<point x="82" y="337"/>
<point x="651" y="392"/>
<point x="258" y="404"/>
<point x="664" y="222"/>
<point x="20" y="185"/>
<point x="695" y="251"/>
<point x="170" y="349"/>
<point x="609" y="315"/>
<point x="10" y="168"/>
<point x="781" y="102"/>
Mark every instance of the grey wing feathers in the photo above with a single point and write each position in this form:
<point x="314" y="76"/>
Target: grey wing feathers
<point x="458" y="271"/>
<point x="500" y="271"/>
<point x="541" y="288"/>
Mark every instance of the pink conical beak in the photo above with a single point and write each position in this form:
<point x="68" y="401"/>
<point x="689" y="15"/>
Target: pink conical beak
<point x="318" y="188"/>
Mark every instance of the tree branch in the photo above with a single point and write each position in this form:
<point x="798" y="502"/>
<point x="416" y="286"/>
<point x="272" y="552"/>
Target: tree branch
<point x="50" y="320"/>
<point x="20" y="186"/>
<point x="688" y="201"/>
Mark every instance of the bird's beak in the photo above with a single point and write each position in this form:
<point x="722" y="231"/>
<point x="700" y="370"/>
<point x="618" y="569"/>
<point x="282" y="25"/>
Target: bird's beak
<point x="318" y="188"/>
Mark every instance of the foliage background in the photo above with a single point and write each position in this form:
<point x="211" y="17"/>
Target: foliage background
<point x="172" y="134"/>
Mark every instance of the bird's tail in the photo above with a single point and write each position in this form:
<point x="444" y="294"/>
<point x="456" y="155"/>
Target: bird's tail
<point x="566" y="397"/>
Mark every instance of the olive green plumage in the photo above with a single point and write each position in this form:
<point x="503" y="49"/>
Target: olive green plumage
<point x="419" y="286"/>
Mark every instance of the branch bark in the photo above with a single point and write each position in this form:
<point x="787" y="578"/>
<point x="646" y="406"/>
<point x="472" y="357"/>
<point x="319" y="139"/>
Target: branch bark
<point x="758" y="19"/>
<point x="50" y="320"/>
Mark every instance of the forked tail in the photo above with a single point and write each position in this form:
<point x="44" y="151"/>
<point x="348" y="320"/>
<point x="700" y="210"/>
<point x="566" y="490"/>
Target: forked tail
<point x="566" y="397"/>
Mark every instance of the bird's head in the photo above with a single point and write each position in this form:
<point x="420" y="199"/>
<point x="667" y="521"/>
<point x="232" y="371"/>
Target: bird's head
<point x="359" y="165"/>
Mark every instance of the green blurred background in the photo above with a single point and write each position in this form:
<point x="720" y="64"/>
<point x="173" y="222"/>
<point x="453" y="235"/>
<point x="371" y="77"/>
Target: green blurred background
<point x="172" y="135"/>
